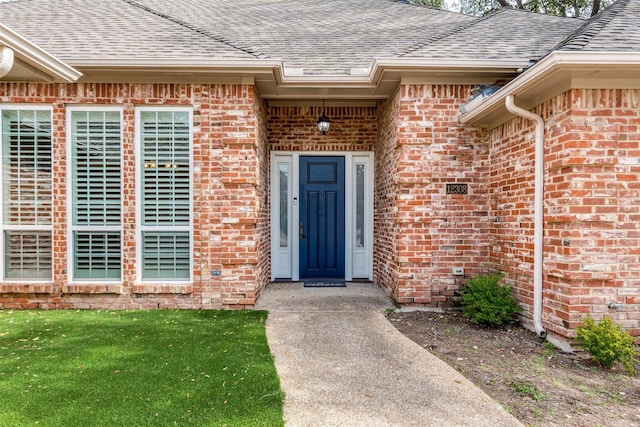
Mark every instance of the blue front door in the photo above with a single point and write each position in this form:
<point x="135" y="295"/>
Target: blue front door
<point x="321" y="217"/>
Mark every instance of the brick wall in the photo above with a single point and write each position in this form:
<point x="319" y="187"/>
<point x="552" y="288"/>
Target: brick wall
<point x="228" y="205"/>
<point x="263" y="229"/>
<point x="295" y="129"/>
<point x="421" y="232"/>
<point x="385" y="232"/>
<point x="512" y="201"/>
<point x="592" y="197"/>
<point x="592" y="208"/>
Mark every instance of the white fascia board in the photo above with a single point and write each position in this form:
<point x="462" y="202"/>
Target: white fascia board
<point x="37" y="57"/>
<point x="425" y="65"/>
<point x="361" y="78"/>
<point x="381" y="65"/>
<point x="547" y="67"/>
<point x="186" y="67"/>
<point x="176" y="65"/>
<point x="313" y="85"/>
<point x="447" y="64"/>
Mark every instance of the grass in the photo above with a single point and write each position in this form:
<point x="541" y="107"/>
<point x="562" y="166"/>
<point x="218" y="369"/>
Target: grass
<point x="137" y="368"/>
<point x="527" y="389"/>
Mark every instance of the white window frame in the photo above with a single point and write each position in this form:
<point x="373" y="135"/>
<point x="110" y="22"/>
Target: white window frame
<point x="352" y="254"/>
<point x="71" y="228"/>
<point x="281" y="256"/>
<point x="8" y="227"/>
<point x="140" y="228"/>
<point x="361" y="265"/>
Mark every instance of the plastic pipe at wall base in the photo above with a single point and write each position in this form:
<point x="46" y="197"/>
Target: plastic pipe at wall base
<point x="6" y="60"/>
<point x="538" y="225"/>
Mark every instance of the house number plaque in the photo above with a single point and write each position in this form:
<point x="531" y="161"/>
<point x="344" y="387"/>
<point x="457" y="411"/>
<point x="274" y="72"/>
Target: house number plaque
<point x="457" y="188"/>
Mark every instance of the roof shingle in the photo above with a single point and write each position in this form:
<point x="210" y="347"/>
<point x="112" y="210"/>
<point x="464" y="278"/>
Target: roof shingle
<point x="614" y="29"/>
<point x="504" y="34"/>
<point x="329" y="37"/>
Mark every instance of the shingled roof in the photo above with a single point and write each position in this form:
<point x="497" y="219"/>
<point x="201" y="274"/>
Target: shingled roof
<point x="301" y="48"/>
<point x="616" y="29"/>
<point x="321" y="37"/>
<point x="329" y="37"/>
<point x="504" y="34"/>
<point x="113" y="29"/>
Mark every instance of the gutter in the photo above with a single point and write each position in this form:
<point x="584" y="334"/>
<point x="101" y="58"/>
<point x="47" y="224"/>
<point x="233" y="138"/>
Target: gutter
<point x="6" y="60"/>
<point x="583" y="64"/>
<point x="31" y="54"/>
<point x="538" y="242"/>
<point x="369" y="77"/>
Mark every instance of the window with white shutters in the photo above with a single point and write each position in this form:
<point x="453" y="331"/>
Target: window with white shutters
<point x="26" y="194"/>
<point x="165" y="194"/>
<point x="96" y="190"/>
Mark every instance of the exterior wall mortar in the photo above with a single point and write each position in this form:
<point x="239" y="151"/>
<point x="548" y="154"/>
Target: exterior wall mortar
<point x="295" y="129"/>
<point x="592" y="197"/>
<point x="421" y="232"/>
<point x="592" y="208"/>
<point x="228" y="208"/>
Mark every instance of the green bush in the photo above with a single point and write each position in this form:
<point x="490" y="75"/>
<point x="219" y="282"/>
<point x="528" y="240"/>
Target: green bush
<point x="487" y="302"/>
<point x="608" y="343"/>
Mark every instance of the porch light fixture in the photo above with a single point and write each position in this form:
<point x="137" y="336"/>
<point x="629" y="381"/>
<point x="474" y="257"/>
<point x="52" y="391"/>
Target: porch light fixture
<point x="323" y="122"/>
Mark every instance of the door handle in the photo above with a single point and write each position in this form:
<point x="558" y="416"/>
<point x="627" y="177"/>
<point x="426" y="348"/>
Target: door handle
<point x="302" y="230"/>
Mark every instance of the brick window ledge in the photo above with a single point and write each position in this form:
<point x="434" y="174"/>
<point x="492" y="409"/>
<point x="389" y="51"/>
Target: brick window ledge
<point x="94" y="289"/>
<point x="26" y="288"/>
<point x="162" y="289"/>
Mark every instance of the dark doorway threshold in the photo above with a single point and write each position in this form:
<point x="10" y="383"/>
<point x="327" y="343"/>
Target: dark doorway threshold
<point x="324" y="283"/>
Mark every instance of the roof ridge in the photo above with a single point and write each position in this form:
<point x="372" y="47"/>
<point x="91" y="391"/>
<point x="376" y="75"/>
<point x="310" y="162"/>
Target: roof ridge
<point x="457" y="29"/>
<point x="591" y="27"/>
<point x="196" y="29"/>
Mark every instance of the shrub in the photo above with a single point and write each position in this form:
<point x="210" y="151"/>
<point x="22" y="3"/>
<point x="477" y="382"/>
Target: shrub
<point x="608" y="343"/>
<point x="487" y="302"/>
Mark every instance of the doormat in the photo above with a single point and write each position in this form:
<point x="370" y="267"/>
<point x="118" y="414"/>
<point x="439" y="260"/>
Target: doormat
<point x="325" y="284"/>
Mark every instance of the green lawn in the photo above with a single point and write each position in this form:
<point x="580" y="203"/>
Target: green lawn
<point x="137" y="368"/>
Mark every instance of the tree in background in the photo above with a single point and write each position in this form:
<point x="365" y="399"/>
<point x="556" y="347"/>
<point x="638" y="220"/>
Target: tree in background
<point x="571" y="8"/>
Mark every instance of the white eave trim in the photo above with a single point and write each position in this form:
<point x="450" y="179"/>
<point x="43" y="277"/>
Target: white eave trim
<point x="588" y="63"/>
<point x="448" y="64"/>
<point x="176" y="65"/>
<point x="31" y="54"/>
<point x="285" y="77"/>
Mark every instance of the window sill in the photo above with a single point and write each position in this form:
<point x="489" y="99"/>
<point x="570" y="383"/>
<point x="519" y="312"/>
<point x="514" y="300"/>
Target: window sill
<point x="94" y="288"/>
<point x="26" y="288"/>
<point x="153" y="288"/>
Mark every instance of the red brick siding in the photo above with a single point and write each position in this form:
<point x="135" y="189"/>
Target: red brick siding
<point x="228" y="209"/>
<point x="592" y="208"/>
<point x="592" y="197"/>
<point x="295" y="129"/>
<point x="385" y="248"/>
<point x="512" y="199"/>
<point x="263" y="229"/>
<point x="420" y="149"/>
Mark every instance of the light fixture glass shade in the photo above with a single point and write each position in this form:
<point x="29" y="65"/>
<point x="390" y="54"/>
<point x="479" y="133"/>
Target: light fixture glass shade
<point x="323" y="124"/>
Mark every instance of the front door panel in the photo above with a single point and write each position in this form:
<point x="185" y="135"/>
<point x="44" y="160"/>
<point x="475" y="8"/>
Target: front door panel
<point x="322" y="238"/>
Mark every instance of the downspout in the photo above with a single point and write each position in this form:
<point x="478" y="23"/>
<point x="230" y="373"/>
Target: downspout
<point x="6" y="60"/>
<point x="538" y="241"/>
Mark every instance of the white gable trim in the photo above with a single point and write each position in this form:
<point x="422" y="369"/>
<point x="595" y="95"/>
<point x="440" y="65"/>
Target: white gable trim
<point x="557" y="73"/>
<point x="36" y="63"/>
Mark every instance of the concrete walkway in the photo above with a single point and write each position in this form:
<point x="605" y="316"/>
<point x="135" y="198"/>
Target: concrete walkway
<point x="341" y="363"/>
